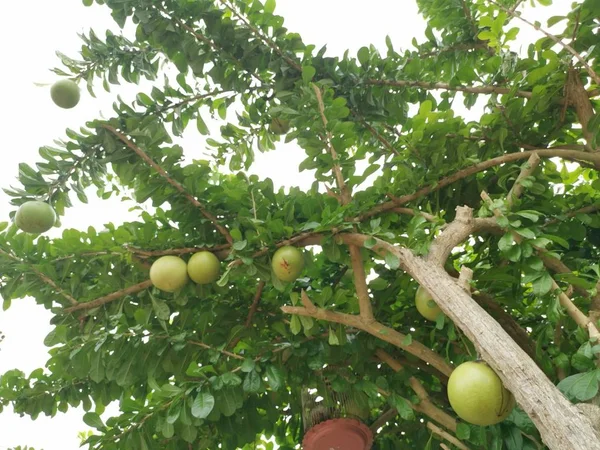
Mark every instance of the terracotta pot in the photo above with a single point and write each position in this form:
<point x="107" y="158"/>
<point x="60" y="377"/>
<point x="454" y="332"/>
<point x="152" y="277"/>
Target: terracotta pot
<point x="338" y="434"/>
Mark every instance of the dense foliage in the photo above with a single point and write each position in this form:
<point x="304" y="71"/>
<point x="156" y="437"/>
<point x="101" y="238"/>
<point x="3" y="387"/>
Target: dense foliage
<point x="220" y="365"/>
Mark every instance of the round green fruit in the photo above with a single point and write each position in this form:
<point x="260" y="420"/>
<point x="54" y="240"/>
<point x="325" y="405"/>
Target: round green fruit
<point x="279" y="126"/>
<point x="35" y="217"/>
<point x="477" y="394"/>
<point x="65" y="93"/>
<point x="203" y="267"/>
<point x="169" y="273"/>
<point x="425" y="304"/>
<point x="287" y="263"/>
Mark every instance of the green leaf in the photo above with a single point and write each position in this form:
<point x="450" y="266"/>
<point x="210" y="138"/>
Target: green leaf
<point x="270" y="6"/>
<point x="275" y="377"/>
<point x="407" y="339"/>
<point x="506" y="242"/>
<point x="542" y="285"/>
<point x="363" y="55"/>
<point x="295" y="325"/>
<point x="463" y="431"/>
<point x="201" y="125"/>
<point x="203" y="405"/>
<point x="252" y="382"/>
<point x="392" y="260"/>
<point x="240" y="245"/>
<point x="402" y="406"/>
<point x="370" y="243"/>
<point x="526" y="233"/>
<point x="308" y="72"/>
<point x="93" y="420"/>
<point x="333" y="339"/>
<point x="581" y="386"/>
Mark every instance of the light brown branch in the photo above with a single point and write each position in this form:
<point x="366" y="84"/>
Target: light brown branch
<point x="571" y="155"/>
<point x="517" y="189"/>
<point x="208" y="347"/>
<point x="457" y="232"/>
<point x="584" y="210"/>
<point x="446" y="436"/>
<point x="43" y="277"/>
<point x="378" y="136"/>
<point x="110" y="297"/>
<point x="144" y="156"/>
<point x="385" y="417"/>
<point x="255" y="302"/>
<point x="580" y="318"/>
<point x="556" y="418"/>
<point x="412" y="212"/>
<point x="447" y="87"/>
<point x="376" y="329"/>
<point x="583" y="106"/>
<point x="425" y="405"/>
<point x="557" y="40"/>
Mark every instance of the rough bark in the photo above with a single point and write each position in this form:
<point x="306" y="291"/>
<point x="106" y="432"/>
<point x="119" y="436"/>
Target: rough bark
<point x="561" y="425"/>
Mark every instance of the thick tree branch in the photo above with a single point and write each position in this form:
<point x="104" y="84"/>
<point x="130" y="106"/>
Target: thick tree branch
<point x="557" y="40"/>
<point x="506" y="321"/>
<point x="43" y="277"/>
<point x="111" y="297"/>
<point x="144" y="156"/>
<point x="376" y="329"/>
<point x="571" y="155"/>
<point x="554" y="416"/>
<point x="456" y="233"/>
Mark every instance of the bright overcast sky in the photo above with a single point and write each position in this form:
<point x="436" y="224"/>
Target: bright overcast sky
<point x="31" y="32"/>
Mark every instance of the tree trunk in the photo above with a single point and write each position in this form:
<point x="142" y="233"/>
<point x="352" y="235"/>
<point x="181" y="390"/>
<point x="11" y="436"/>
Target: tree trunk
<point x="559" y="422"/>
<point x="561" y="425"/>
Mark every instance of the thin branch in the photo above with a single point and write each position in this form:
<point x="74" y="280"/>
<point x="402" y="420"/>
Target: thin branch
<point x="385" y="417"/>
<point x="262" y="37"/>
<point x="360" y="283"/>
<point x="584" y="210"/>
<point x="208" y="347"/>
<point x="554" y="38"/>
<point x="579" y="317"/>
<point x="378" y="136"/>
<point x="376" y="329"/>
<point x="465" y="278"/>
<point x="43" y="277"/>
<point x="448" y="87"/>
<point x="255" y="302"/>
<point x="217" y="249"/>
<point x="446" y="436"/>
<point x="412" y="212"/>
<point x="344" y="192"/>
<point x="517" y="189"/>
<point x="144" y="156"/>
<point x="469" y="17"/>
<point x="111" y="297"/>
<point x="425" y="404"/>
<point x="571" y="155"/>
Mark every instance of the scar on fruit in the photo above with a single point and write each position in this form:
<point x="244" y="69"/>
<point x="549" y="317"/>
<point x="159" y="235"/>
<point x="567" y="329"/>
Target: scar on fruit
<point x="285" y="264"/>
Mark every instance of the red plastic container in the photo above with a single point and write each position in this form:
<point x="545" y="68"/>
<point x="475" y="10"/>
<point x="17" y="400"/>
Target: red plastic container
<point x="338" y="434"/>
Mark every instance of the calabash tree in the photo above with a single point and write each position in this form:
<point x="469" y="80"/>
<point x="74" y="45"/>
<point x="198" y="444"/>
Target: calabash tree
<point x="496" y="219"/>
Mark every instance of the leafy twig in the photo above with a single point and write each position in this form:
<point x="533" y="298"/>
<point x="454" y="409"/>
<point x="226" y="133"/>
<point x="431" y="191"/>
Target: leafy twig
<point x="144" y="156"/>
<point x="110" y="297"/>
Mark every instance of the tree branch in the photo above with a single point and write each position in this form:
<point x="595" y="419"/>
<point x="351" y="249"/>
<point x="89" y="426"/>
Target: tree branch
<point x="144" y="156"/>
<point x="557" y="40"/>
<point x="446" y="436"/>
<point x="425" y="405"/>
<point x="571" y="155"/>
<point x="111" y="297"/>
<point x="447" y="87"/>
<point x="457" y="232"/>
<point x="556" y="418"/>
<point x="254" y="305"/>
<point x="262" y="37"/>
<point x="580" y="318"/>
<point x="376" y="329"/>
<point x="43" y="277"/>
<point x="517" y="189"/>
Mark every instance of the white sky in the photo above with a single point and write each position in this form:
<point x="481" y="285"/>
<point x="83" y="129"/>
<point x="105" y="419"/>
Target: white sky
<point x="31" y="31"/>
